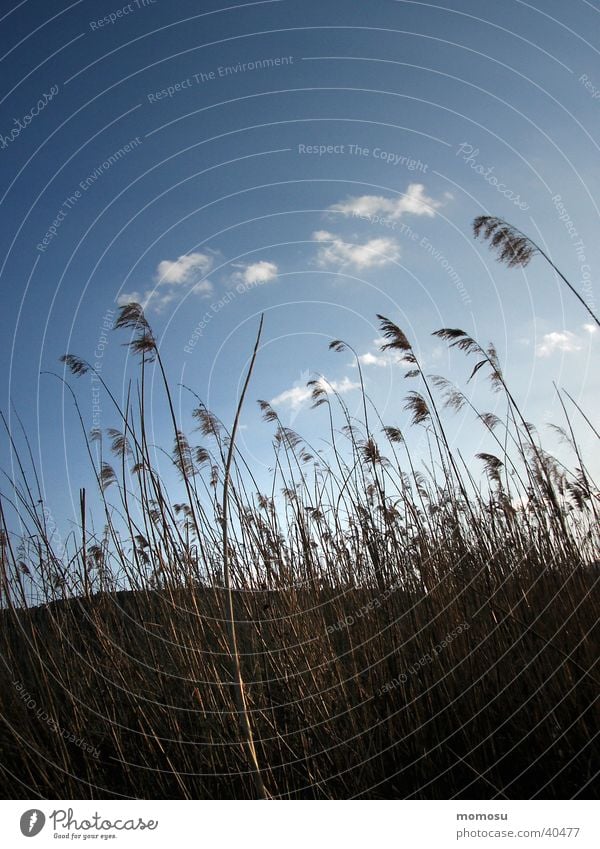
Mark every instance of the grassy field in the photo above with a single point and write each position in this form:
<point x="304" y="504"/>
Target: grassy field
<point x="369" y="627"/>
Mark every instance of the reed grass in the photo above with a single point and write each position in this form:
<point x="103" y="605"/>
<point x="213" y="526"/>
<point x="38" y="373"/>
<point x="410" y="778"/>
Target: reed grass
<point x="370" y="626"/>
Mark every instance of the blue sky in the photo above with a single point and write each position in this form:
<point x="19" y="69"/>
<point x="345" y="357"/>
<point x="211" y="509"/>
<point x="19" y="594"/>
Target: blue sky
<point x="318" y="162"/>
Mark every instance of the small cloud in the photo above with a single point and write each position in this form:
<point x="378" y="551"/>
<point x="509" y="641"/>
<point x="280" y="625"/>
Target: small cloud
<point x="341" y="386"/>
<point x="183" y="269"/>
<point x="204" y="288"/>
<point x="297" y="395"/>
<point x="158" y="299"/>
<point x="370" y="254"/>
<point x="563" y="341"/>
<point x="379" y="358"/>
<point x="152" y="299"/>
<point x="172" y="278"/>
<point x="256" y="273"/>
<point x="413" y="202"/>
<point x="294" y="397"/>
<point x="370" y="359"/>
<point x="130" y="298"/>
<point x="590" y="328"/>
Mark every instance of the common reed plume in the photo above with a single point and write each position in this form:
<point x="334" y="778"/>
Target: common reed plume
<point x="516" y="249"/>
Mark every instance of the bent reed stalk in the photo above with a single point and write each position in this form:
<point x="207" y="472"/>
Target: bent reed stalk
<point x="245" y="724"/>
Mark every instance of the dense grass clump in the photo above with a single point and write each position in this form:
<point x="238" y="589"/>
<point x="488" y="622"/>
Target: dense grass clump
<point x="370" y="626"/>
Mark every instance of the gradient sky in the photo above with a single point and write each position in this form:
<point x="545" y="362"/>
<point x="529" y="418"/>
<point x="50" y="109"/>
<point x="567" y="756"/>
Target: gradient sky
<point x="237" y="191"/>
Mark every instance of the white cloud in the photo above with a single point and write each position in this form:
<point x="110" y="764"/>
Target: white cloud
<point x="183" y="269"/>
<point x="130" y="297"/>
<point x="437" y="353"/>
<point x="370" y="359"/>
<point x="151" y="299"/>
<point x="172" y="278"/>
<point x="413" y="202"/>
<point x="296" y="396"/>
<point x="256" y="273"/>
<point x="373" y="253"/>
<point x="204" y="288"/>
<point x="590" y="328"/>
<point x="379" y="358"/>
<point x="159" y="298"/>
<point x="563" y="341"/>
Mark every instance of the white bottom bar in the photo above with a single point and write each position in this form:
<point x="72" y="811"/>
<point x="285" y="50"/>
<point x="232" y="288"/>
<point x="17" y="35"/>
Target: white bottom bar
<point x="302" y="824"/>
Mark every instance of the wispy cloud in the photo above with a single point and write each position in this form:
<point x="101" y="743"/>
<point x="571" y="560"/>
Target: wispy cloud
<point x="373" y="253"/>
<point x="172" y="278"/>
<point x="413" y="202"/>
<point x="298" y="395"/>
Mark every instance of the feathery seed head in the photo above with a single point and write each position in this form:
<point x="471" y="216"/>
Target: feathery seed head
<point x="512" y="247"/>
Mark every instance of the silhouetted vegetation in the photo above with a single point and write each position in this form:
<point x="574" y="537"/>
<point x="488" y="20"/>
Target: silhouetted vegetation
<point x="370" y="626"/>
